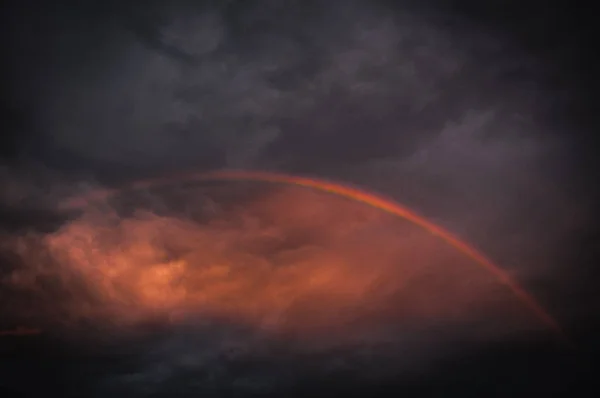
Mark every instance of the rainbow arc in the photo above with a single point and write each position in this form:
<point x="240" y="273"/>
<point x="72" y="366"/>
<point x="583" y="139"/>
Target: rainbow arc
<point x="347" y="191"/>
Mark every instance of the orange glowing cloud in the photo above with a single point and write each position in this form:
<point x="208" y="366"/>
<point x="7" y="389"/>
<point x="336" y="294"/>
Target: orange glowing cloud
<point x="289" y="261"/>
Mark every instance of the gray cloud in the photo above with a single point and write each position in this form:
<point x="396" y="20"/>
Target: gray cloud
<point x="136" y="104"/>
<point x="452" y="122"/>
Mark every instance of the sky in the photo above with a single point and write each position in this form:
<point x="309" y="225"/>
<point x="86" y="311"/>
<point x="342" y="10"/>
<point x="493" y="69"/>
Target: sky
<point x="479" y="117"/>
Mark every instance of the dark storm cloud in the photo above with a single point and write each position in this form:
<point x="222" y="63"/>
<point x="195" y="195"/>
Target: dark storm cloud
<point x="452" y="121"/>
<point x="179" y="85"/>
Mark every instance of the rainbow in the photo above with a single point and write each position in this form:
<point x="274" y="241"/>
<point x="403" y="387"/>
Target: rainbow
<point x="347" y="191"/>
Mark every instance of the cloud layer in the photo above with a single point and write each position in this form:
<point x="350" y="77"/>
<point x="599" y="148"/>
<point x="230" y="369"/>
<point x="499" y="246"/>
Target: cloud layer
<point x="289" y="275"/>
<point x="447" y="119"/>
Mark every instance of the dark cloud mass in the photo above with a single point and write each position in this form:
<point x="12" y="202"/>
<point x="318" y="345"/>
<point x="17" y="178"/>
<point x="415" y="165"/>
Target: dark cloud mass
<point x="434" y="104"/>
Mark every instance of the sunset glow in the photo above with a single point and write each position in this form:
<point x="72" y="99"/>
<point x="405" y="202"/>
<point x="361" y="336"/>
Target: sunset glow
<point x="173" y="268"/>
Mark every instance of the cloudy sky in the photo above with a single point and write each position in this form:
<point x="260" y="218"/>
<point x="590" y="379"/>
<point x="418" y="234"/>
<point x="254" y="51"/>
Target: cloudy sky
<point x="477" y="117"/>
